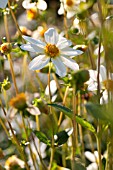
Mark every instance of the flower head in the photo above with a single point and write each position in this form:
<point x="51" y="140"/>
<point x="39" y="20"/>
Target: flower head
<point x="19" y="102"/>
<point x="41" y="4"/>
<point x="55" y="49"/>
<point x="70" y="6"/>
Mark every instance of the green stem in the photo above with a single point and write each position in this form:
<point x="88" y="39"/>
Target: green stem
<point x="15" y="139"/>
<point x="31" y="153"/>
<point x="74" y="135"/>
<point x="9" y="55"/>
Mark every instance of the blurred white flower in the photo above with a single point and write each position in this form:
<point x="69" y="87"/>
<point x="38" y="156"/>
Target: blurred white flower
<point x="41" y="4"/>
<point x="106" y="83"/>
<point x="70" y="6"/>
<point x="3" y="3"/>
<point x="34" y="151"/>
<point x="92" y="157"/>
<point x="55" y="49"/>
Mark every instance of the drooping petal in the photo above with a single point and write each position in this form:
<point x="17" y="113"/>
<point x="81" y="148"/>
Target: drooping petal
<point x="37" y="49"/>
<point x="92" y="166"/>
<point x="70" y="52"/>
<point x="90" y="156"/>
<point x="42" y="5"/>
<point x="103" y="72"/>
<point x="70" y="63"/>
<point x="3" y="3"/>
<point x="51" y="36"/>
<point x="33" y="41"/>
<point x="63" y="43"/>
<point x="27" y="47"/>
<point x="59" y="65"/>
<point x="39" y="62"/>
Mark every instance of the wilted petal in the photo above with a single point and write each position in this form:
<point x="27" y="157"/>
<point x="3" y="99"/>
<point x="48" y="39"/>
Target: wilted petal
<point x="63" y="43"/>
<point x="42" y="5"/>
<point x="3" y="3"/>
<point x="27" y="47"/>
<point x="51" y="36"/>
<point x="33" y="41"/>
<point x="60" y="67"/>
<point x="70" y="63"/>
<point x="70" y="52"/>
<point x="38" y="62"/>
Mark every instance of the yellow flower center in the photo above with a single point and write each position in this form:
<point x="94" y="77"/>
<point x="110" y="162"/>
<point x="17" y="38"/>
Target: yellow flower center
<point x="51" y="50"/>
<point x="32" y="13"/>
<point x="69" y="3"/>
<point x="108" y="84"/>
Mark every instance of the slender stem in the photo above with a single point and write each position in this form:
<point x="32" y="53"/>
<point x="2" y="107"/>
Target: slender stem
<point x="74" y="136"/>
<point x="14" y="18"/>
<point x="65" y="22"/>
<point x="32" y="157"/>
<point x="9" y="55"/>
<point x="98" y="93"/>
<point x="15" y="139"/>
<point x="38" y="152"/>
<point x="64" y="100"/>
<point x="4" y="127"/>
<point x="52" y="145"/>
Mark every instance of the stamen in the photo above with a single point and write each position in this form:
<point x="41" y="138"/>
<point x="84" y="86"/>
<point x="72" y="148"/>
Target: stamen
<point x="51" y="50"/>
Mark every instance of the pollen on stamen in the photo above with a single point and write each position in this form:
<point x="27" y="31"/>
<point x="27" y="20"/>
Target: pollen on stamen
<point x="51" y="50"/>
<point x="69" y="3"/>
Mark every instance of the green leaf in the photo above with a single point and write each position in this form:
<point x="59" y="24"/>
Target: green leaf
<point x="42" y="137"/>
<point x="62" y="137"/>
<point x="85" y="124"/>
<point x="97" y="111"/>
<point x="68" y="112"/>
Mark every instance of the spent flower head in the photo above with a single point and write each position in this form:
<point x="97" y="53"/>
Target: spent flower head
<point x="19" y="102"/>
<point x="55" y="49"/>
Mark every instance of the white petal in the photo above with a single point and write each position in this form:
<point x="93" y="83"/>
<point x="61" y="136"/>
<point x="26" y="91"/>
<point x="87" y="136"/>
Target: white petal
<point x="37" y="48"/>
<point x="61" y="9"/>
<point x="38" y="62"/>
<point x="51" y="36"/>
<point x="53" y="87"/>
<point x="63" y="43"/>
<point x="42" y="5"/>
<point x="60" y="67"/>
<point x="70" y="63"/>
<point x="90" y="156"/>
<point x="27" y="47"/>
<point x="27" y="5"/>
<point x="33" y="41"/>
<point x="70" y="52"/>
<point x="3" y="3"/>
<point x="104" y="98"/>
<point x="92" y="166"/>
<point x="70" y="14"/>
<point x="103" y="72"/>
